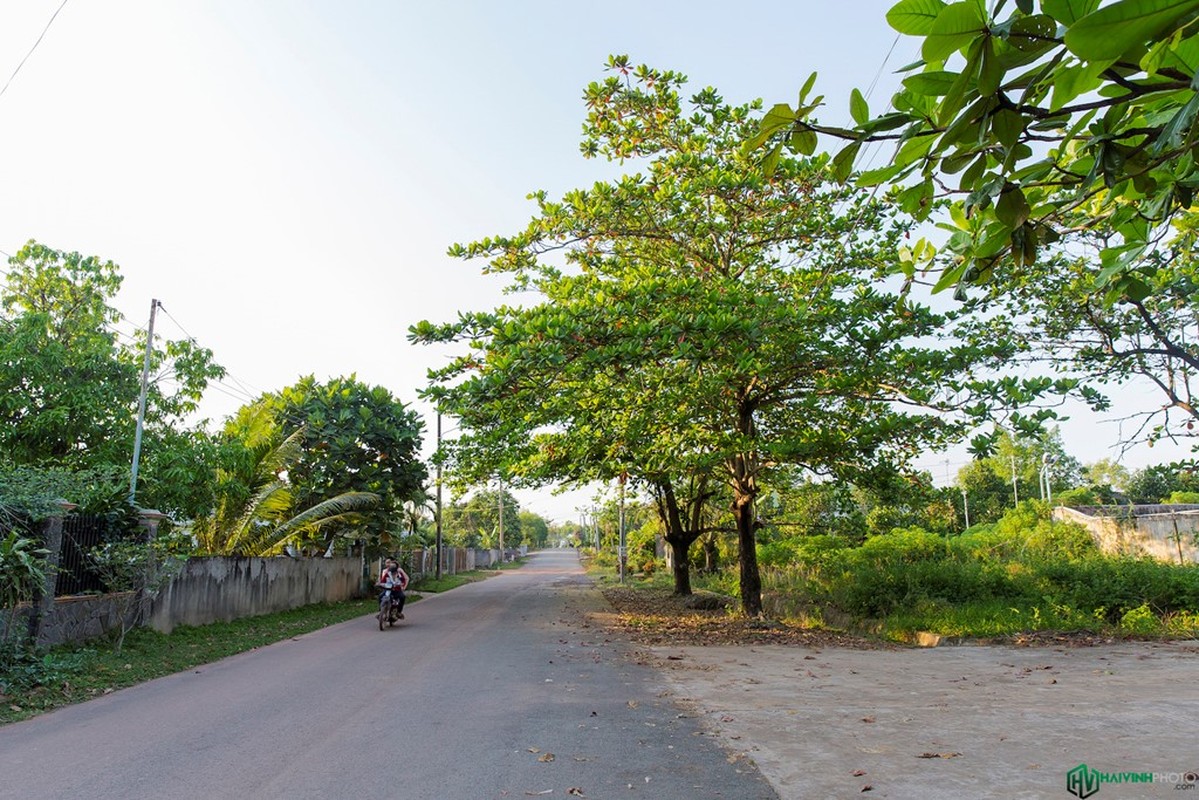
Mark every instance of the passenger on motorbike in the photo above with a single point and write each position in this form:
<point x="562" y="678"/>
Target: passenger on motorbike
<point x="395" y="580"/>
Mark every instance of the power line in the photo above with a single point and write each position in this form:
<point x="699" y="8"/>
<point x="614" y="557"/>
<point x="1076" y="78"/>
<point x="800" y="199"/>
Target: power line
<point x="249" y="392"/>
<point x="35" y="44"/>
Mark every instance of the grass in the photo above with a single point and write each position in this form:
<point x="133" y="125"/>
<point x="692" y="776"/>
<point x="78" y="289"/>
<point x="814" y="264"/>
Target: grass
<point x="74" y="673"/>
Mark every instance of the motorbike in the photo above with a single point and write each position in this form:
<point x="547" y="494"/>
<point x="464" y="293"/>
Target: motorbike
<point x="389" y="609"/>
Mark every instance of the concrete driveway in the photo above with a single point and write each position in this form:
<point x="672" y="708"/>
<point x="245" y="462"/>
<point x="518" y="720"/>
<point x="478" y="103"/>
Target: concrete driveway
<point x="953" y="722"/>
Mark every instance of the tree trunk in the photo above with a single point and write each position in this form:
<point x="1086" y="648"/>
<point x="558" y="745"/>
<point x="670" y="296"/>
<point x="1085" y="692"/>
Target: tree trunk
<point x="677" y="536"/>
<point x="745" y="489"/>
<point x="751" y="579"/>
<point x="682" y="569"/>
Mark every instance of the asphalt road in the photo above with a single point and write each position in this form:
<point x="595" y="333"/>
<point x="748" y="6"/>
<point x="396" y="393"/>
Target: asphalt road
<point x="497" y="689"/>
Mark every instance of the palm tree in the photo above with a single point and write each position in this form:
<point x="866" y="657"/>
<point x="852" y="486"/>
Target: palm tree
<point x="255" y="513"/>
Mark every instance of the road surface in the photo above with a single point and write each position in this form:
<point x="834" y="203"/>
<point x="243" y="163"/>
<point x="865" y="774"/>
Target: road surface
<point x="494" y="690"/>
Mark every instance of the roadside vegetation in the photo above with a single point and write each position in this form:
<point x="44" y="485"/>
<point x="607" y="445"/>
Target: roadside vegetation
<point x="1022" y="577"/>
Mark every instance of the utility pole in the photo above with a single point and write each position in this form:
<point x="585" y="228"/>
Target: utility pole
<point x="1015" y="487"/>
<point x="141" y="404"/>
<point x="966" y="508"/>
<point x="438" y="573"/>
<point x="501" y="520"/>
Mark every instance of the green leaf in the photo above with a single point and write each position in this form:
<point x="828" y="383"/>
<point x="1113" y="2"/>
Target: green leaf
<point x="770" y="161"/>
<point x="807" y="87"/>
<point x="1173" y="133"/>
<point x="990" y="73"/>
<point x="803" y="142"/>
<point x="1067" y="12"/>
<point x="843" y="162"/>
<point x="914" y="17"/>
<point x="1012" y="208"/>
<point x="935" y="83"/>
<point x="1072" y="81"/>
<point x="874" y="177"/>
<point x="1114" y="30"/>
<point x="858" y="108"/>
<point x="1006" y="126"/>
<point x="955" y="27"/>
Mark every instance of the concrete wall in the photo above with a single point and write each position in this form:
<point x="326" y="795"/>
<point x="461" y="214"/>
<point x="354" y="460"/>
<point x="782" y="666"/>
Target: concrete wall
<point x="223" y="588"/>
<point x="1167" y="533"/>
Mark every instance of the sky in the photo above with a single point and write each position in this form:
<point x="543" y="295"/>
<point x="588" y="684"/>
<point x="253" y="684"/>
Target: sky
<point x="286" y="176"/>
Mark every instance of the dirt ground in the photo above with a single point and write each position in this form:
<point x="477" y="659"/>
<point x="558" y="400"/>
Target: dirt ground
<point x="828" y="715"/>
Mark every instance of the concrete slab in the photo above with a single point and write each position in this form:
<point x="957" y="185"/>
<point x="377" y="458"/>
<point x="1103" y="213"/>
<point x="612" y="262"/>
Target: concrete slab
<point x="951" y="722"/>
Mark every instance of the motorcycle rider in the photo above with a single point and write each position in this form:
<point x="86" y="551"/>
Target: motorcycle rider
<point x="393" y="578"/>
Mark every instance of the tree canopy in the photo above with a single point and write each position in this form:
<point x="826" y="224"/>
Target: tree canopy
<point x="702" y="317"/>
<point x="69" y="385"/>
<point x="340" y="459"/>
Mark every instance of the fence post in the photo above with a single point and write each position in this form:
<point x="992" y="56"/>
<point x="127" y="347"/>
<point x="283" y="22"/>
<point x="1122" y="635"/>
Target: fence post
<point x="43" y="603"/>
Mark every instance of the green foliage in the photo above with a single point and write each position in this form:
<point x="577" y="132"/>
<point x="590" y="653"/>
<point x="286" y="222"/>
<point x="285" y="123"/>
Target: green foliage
<point x="1155" y="484"/>
<point x="69" y="388"/>
<point x="22" y="573"/>
<point x="313" y="465"/>
<point x="1061" y="136"/>
<point x="1025" y="572"/>
<point x="1066" y="116"/>
<point x="137" y="571"/>
<point x="713" y="318"/>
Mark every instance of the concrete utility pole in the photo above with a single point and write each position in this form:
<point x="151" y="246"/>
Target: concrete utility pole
<point x="501" y="520"/>
<point x="438" y="572"/>
<point x="141" y="404"/>
<point x="966" y="508"/>
<point x="1015" y="486"/>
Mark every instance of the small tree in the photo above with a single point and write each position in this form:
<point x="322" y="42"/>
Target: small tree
<point x="135" y="571"/>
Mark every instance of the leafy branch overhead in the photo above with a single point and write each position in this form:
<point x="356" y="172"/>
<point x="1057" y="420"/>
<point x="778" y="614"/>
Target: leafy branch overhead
<point x="1035" y="118"/>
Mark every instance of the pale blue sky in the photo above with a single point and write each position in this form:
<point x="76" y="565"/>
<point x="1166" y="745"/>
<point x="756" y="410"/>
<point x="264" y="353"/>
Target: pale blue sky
<point x="285" y="175"/>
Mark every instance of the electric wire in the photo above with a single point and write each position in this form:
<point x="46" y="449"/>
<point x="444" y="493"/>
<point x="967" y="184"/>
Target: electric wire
<point x="53" y="17"/>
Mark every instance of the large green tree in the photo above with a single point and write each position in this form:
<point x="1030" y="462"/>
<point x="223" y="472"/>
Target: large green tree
<point x="350" y="439"/>
<point x="702" y="317"/>
<point x="69" y="384"/>
<point x="255" y="512"/>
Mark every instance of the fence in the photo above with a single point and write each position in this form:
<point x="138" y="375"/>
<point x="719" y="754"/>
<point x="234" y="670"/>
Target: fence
<point x="422" y="562"/>
<point x="80" y="533"/>
<point x="1165" y="532"/>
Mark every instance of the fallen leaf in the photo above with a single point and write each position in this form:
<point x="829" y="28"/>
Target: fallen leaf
<point x="867" y="719"/>
<point x="938" y="755"/>
<point x="547" y="757"/>
<point x="726" y="718"/>
<point x="633" y="704"/>
<point x="543" y="791"/>
<point x="575" y="790"/>
<point x="867" y="788"/>
<point x="857" y="773"/>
